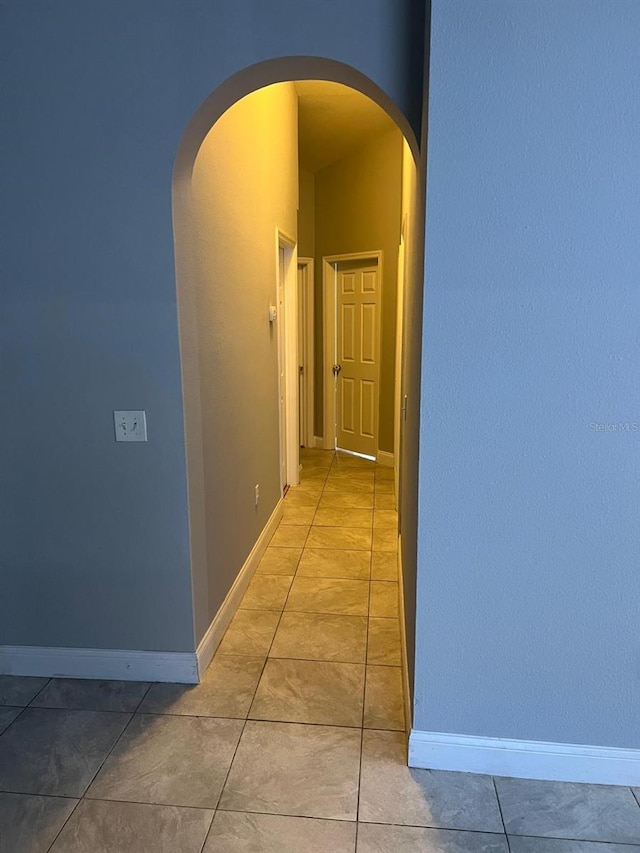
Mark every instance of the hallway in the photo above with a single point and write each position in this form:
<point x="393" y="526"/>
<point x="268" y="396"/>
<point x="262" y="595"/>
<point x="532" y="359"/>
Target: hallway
<point x="294" y="741"/>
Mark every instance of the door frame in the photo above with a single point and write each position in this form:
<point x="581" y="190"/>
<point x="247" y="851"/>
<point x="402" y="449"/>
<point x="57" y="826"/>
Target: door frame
<point x="399" y="407"/>
<point x="290" y="321"/>
<point x="329" y="338"/>
<point x="309" y="402"/>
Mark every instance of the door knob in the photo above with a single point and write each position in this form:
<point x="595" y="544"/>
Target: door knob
<point x="336" y="369"/>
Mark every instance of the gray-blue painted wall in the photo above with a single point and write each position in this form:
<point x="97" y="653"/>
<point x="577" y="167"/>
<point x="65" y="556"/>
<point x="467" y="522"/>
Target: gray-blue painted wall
<point x="529" y="557"/>
<point x="94" y="543"/>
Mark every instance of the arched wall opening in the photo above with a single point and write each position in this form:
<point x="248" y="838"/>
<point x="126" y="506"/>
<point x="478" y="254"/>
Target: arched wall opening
<point x="226" y="256"/>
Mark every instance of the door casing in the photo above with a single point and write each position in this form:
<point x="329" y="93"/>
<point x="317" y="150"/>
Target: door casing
<point x="306" y="291"/>
<point x="289" y="324"/>
<point x="329" y="337"/>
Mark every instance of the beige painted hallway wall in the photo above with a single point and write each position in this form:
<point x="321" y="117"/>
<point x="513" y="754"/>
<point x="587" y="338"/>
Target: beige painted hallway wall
<point x="358" y="208"/>
<point x="244" y="186"/>
<point x="307" y="215"/>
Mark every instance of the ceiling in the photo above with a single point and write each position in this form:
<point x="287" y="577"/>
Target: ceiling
<point x="333" y="121"/>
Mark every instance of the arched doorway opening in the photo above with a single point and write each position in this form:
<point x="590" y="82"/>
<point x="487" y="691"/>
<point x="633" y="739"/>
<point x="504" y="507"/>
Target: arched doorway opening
<point x="236" y="204"/>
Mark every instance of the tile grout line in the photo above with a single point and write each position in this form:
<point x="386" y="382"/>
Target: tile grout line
<point x="23" y="708"/>
<point x="71" y="814"/>
<point x="246" y="719"/>
<point x="33" y="698"/>
<point x="364" y="685"/>
<point x="366" y="670"/>
<point x="258" y="681"/>
<point x="209" y="828"/>
<point x="504" y="826"/>
<point x="83" y="797"/>
<point x="448" y="828"/>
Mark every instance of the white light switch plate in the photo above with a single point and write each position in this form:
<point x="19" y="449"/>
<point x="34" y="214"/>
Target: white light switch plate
<point x="130" y="426"/>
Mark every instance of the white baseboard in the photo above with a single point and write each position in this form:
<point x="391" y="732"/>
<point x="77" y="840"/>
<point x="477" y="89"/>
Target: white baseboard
<point x="117" y="664"/>
<point x="406" y="689"/>
<point x="525" y="759"/>
<point x="134" y="665"/>
<point x="386" y="459"/>
<point x="211" y="640"/>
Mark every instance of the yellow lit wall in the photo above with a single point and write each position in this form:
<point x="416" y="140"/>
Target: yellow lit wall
<point x="244" y="186"/>
<point x="358" y="209"/>
<point x="307" y="215"/>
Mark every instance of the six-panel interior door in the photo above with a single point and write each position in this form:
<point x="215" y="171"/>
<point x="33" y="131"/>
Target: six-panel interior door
<point x="357" y="352"/>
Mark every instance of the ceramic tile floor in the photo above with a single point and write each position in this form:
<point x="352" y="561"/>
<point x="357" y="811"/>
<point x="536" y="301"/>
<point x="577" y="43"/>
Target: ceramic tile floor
<point x="293" y="742"/>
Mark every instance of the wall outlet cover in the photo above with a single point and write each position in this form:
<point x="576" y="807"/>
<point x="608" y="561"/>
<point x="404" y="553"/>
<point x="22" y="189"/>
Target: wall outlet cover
<point x="130" y="426"/>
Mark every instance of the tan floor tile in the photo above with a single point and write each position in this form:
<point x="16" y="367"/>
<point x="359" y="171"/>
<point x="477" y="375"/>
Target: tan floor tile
<point x="226" y="690"/>
<point x="175" y="760"/>
<point x="19" y="690"/>
<point x="315" y="466"/>
<point x="329" y="563"/>
<point x="339" y="518"/>
<point x="266" y="592"/>
<point x="384" y="566"/>
<point x="240" y="832"/>
<point x="303" y="691"/>
<point x="321" y="636"/>
<point x="346" y="485"/>
<point x="385" y="540"/>
<point x="308" y="462"/>
<point x="316" y="452"/>
<point x="383" y="702"/>
<point x="569" y="810"/>
<point x="350" y="475"/>
<point x="321" y="595"/>
<point x="348" y="460"/>
<point x="301" y="497"/>
<point x="383" y="599"/>
<point x="294" y="769"/>
<point x="30" y="823"/>
<point x="349" y="538"/>
<point x="84" y="694"/>
<point x="250" y="633"/>
<point x="310" y="487"/>
<point x="384" y="838"/>
<point x="346" y="500"/>
<point x="386" y="519"/>
<point x="289" y="536"/>
<point x="384" y="501"/>
<point x="56" y="751"/>
<point x="391" y="792"/>
<point x="363" y="471"/>
<point x="314" y="469"/>
<point x="317" y="476"/>
<point x="385" y="487"/>
<point x="316" y="456"/>
<point x="298" y="514"/>
<point x="384" y="642"/>
<point x="279" y="561"/>
<point x="100" y="826"/>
